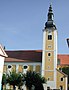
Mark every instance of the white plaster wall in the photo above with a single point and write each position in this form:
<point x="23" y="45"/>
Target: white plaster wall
<point x="1" y="69"/>
<point x="55" y="56"/>
<point x="43" y="52"/>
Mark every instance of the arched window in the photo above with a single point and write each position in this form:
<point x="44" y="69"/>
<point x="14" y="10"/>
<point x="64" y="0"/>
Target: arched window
<point x="49" y="54"/>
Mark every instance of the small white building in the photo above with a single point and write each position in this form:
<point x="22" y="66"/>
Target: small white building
<point x="2" y="58"/>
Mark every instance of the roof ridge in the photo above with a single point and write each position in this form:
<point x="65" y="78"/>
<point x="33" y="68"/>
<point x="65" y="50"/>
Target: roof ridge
<point x="22" y="50"/>
<point x="62" y="72"/>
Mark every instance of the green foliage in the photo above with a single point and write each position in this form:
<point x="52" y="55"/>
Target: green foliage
<point x="33" y="78"/>
<point x="66" y="70"/>
<point x="4" y="79"/>
<point x="14" y="79"/>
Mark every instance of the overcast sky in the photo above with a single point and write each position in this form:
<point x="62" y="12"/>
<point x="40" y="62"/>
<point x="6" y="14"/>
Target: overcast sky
<point x="22" y="22"/>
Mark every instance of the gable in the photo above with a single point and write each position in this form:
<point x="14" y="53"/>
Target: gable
<point x="2" y="52"/>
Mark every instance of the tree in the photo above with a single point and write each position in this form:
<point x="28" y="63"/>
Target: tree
<point x="14" y="79"/>
<point x="4" y="81"/>
<point x="34" y="80"/>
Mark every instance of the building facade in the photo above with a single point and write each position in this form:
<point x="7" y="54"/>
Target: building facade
<point x="3" y="55"/>
<point x="49" y="60"/>
<point x="23" y="60"/>
<point x="49" y="57"/>
<point x="42" y="61"/>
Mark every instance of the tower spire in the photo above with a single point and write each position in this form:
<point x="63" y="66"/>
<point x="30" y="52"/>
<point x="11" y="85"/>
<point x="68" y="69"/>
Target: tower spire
<point x="50" y="13"/>
<point x="50" y="21"/>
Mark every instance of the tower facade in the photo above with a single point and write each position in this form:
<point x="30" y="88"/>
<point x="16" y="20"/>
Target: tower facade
<point x="49" y="57"/>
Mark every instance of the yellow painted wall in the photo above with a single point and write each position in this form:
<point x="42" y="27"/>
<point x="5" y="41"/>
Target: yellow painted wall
<point x="5" y="68"/>
<point x="50" y="75"/>
<point x="37" y="68"/>
<point x="49" y="42"/>
<point x="59" y="82"/>
<point x="13" y="67"/>
<point x="49" y="61"/>
<point x="30" y="67"/>
<point x="20" y="68"/>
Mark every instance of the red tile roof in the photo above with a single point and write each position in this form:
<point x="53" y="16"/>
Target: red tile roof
<point x="24" y="56"/>
<point x="64" y="59"/>
<point x="32" y="56"/>
<point x="16" y="60"/>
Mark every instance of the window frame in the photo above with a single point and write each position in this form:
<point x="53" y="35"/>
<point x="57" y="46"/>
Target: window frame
<point x="49" y="37"/>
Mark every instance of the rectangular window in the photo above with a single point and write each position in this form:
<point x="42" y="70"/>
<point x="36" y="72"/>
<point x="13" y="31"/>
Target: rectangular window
<point x="48" y="88"/>
<point x="61" y="79"/>
<point x="61" y="87"/>
<point x="49" y="37"/>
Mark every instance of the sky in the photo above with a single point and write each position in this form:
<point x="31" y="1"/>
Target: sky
<point x="22" y="22"/>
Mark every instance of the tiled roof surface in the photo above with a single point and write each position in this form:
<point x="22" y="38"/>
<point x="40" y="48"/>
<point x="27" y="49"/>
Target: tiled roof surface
<point x="64" y="59"/>
<point x="24" y="56"/>
<point x="32" y="56"/>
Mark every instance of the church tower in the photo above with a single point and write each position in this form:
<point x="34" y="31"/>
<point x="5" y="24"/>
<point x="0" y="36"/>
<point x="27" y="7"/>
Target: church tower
<point x="49" y="57"/>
